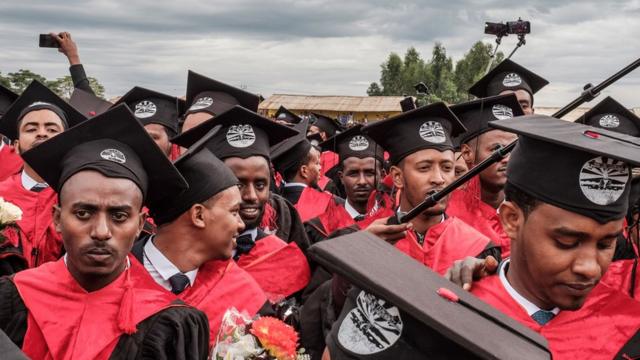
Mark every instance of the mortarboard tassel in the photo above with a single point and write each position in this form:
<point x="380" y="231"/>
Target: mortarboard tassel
<point x="125" y="315"/>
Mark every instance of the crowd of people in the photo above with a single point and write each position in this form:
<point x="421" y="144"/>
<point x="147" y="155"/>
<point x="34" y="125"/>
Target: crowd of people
<point x="145" y="221"/>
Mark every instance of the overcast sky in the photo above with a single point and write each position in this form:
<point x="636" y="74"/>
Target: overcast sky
<point x="320" y="47"/>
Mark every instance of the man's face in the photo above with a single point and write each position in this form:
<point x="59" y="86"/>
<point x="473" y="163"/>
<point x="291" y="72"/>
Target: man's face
<point x="98" y="218"/>
<point x="37" y="127"/>
<point x="311" y="170"/>
<point x="559" y="256"/>
<point x="195" y="119"/>
<point x="524" y="98"/>
<point x="313" y="129"/>
<point x="494" y="177"/>
<point x="359" y="178"/>
<point x="159" y="134"/>
<point x="254" y="176"/>
<point x="461" y="166"/>
<point x="422" y="173"/>
<point x="223" y="220"/>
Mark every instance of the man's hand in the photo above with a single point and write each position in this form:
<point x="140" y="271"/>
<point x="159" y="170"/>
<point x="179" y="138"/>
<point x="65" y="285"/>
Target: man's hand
<point x="388" y="233"/>
<point x="68" y="47"/>
<point x="464" y="272"/>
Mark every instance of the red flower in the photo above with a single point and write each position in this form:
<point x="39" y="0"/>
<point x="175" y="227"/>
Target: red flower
<point x="278" y="338"/>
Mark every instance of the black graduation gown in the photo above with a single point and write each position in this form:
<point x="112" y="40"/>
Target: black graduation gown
<point x="173" y="333"/>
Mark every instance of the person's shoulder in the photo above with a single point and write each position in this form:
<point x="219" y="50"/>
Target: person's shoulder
<point x="179" y="313"/>
<point x="472" y="233"/>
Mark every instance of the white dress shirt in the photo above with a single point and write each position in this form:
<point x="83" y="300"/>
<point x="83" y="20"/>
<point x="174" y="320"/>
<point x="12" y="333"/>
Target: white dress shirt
<point x="527" y="305"/>
<point x="351" y="210"/>
<point x="28" y="182"/>
<point x="160" y="268"/>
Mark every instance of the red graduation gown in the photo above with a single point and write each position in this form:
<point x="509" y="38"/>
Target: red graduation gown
<point x="219" y="286"/>
<point x="598" y="330"/>
<point x="444" y="243"/>
<point x="67" y="322"/>
<point x="313" y="203"/>
<point x="328" y="159"/>
<point x="279" y="268"/>
<point x="10" y="162"/>
<point x="466" y="205"/>
<point x="39" y="240"/>
<point x="624" y="276"/>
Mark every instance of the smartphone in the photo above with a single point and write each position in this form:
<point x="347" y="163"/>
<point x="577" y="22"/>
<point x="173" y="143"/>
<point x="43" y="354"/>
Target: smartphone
<point x="48" y="41"/>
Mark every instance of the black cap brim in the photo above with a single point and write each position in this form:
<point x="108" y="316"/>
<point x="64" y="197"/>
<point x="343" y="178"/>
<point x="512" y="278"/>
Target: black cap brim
<point x="197" y="84"/>
<point x="535" y="82"/>
<point x="610" y="106"/>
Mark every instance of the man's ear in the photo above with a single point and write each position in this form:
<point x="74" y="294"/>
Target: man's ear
<point x="397" y="177"/>
<point x="304" y="171"/>
<point x="512" y="218"/>
<point x="197" y="215"/>
<point x="142" y="220"/>
<point x="16" y="145"/>
<point x="55" y="211"/>
<point x="468" y="154"/>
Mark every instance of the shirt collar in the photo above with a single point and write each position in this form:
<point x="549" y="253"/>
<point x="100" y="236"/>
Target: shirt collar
<point x="528" y="306"/>
<point x="351" y="210"/>
<point x="253" y="232"/>
<point x="28" y="182"/>
<point x="165" y="268"/>
<point x="292" y="184"/>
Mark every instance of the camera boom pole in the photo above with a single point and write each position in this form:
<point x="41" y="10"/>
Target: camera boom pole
<point x="590" y="92"/>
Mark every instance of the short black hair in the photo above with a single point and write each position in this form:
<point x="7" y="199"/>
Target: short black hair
<point x="291" y="172"/>
<point x="525" y="201"/>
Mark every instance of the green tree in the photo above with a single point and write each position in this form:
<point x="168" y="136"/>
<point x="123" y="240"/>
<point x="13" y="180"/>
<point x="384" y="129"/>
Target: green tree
<point x="472" y="66"/>
<point x="22" y="78"/>
<point x="64" y="87"/>
<point x="374" y="89"/>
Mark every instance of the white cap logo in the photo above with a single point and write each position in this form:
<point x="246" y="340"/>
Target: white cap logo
<point x="502" y="112"/>
<point x="603" y="180"/>
<point x="371" y="327"/>
<point x="282" y="116"/>
<point x="201" y="103"/>
<point x="145" y="109"/>
<point x="114" y="155"/>
<point x="511" y="80"/>
<point x="358" y="143"/>
<point x="241" y="136"/>
<point x="433" y="132"/>
<point x="609" y="121"/>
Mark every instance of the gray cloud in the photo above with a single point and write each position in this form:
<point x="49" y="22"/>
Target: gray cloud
<point x="316" y="46"/>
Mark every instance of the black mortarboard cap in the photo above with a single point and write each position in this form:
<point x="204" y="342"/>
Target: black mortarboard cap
<point x="7" y="97"/>
<point x="428" y="127"/>
<point x="113" y="143"/>
<point x="576" y="167"/>
<point x="244" y="133"/>
<point x="291" y="151"/>
<point x="611" y="115"/>
<point x="284" y="114"/>
<point x="407" y="104"/>
<point x="326" y="124"/>
<point x="36" y="97"/>
<point x="88" y="104"/>
<point x="413" y="288"/>
<point x="152" y="107"/>
<point x="214" y="97"/>
<point x="206" y="175"/>
<point x="507" y="76"/>
<point x="353" y="143"/>
<point x="476" y="115"/>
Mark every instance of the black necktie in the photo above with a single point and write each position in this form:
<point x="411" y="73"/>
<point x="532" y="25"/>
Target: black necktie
<point x="178" y="282"/>
<point x="542" y="316"/>
<point x="359" y="218"/>
<point x="244" y="244"/>
<point x="38" y="187"/>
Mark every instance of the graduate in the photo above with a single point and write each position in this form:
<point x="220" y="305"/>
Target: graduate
<point x="97" y="302"/>
<point x="243" y="142"/>
<point x="159" y="113"/>
<point x="10" y="161"/>
<point x="322" y="128"/>
<point x="35" y="117"/>
<point x="567" y="194"/>
<point x="207" y="98"/>
<point x="190" y="253"/>
<point x="299" y="164"/>
<point x="476" y="203"/>
<point x="510" y="77"/>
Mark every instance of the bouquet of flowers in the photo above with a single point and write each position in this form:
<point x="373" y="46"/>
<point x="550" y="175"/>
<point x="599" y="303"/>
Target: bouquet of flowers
<point x="9" y="215"/>
<point x="268" y="338"/>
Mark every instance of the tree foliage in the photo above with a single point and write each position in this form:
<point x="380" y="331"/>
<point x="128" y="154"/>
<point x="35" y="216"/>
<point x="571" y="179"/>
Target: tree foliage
<point x="445" y="81"/>
<point x="63" y="86"/>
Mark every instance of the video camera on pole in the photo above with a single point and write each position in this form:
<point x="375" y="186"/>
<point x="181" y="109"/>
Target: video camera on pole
<point x="520" y="28"/>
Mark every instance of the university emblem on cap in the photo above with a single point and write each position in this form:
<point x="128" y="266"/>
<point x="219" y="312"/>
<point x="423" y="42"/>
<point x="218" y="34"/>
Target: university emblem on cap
<point x="355" y="333"/>
<point x="358" y="143"/>
<point x="241" y="136"/>
<point x="114" y="155"/>
<point x="202" y="103"/>
<point x="603" y="180"/>
<point x="609" y="121"/>
<point x="511" y="80"/>
<point x="502" y="112"/>
<point x="433" y="132"/>
<point x="282" y="116"/>
<point x="145" y="109"/>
